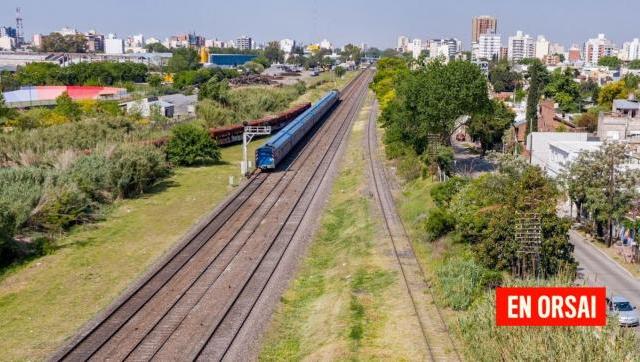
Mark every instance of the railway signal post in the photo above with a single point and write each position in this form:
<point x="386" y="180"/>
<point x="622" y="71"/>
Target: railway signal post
<point x="249" y="133"/>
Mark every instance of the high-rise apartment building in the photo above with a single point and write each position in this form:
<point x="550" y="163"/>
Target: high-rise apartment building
<point x="631" y="50"/>
<point x="543" y="47"/>
<point x="596" y="48"/>
<point x="416" y="48"/>
<point x="521" y="46"/>
<point x="487" y="47"/>
<point x="403" y="44"/>
<point x="244" y="43"/>
<point x="483" y="25"/>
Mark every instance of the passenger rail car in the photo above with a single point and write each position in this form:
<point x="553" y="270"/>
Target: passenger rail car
<point x="279" y="145"/>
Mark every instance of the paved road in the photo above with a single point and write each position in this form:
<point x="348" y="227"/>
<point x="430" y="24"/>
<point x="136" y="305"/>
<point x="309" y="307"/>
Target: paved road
<point x="600" y="270"/>
<point x="469" y="163"/>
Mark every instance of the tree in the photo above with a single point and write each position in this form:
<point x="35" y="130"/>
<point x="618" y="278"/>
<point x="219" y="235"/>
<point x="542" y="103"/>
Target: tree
<point x="262" y="60"/>
<point x="191" y="145"/>
<point x="389" y="72"/>
<point x="351" y="52"/>
<point x="560" y="56"/>
<point x="588" y="121"/>
<point x="217" y="90"/>
<point x="502" y="77"/>
<point x="538" y="78"/>
<point x="489" y="127"/>
<point x="339" y="71"/>
<point x="65" y="106"/>
<point x="157" y="48"/>
<point x="589" y="89"/>
<point x="253" y="67"/>
<point x="431" y="100"/>
<point x="274" y="53"/>
<point x="183" y="59"/>
<point x="155" y="81"/>
<point x="600" y="181"/>
<point x="485" y="213"/>
<point x="389" y="53"/>
<point x="611" y="92"/>
<point x="56" y="42"/>
<point x="612" y="62"/>
<point x="634" y="64"/>
<point x="564" y="90"/>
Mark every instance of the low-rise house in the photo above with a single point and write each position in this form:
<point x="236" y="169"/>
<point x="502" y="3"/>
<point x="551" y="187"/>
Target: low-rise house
<point x="145" y="106"/>
<point x="622" y="123"/>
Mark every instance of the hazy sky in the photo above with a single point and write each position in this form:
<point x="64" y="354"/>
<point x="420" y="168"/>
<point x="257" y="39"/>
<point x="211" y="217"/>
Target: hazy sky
<point x="377" y="23"/>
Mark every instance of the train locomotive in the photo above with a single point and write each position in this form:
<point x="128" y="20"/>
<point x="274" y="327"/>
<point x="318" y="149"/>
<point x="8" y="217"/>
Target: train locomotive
<point x="279" y="145"/>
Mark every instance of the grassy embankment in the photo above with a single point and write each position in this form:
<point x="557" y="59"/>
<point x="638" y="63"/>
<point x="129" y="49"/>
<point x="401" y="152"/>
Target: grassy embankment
<point x="347" y="301"/>
<point x="44" y="301"/>
<point x="470" y="312"/>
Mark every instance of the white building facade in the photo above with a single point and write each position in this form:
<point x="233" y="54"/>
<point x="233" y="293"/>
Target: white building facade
<point x="488" y="47"/>
<point x="113" y="45"/>
<point x="542" y="47"/>
<point x="521" y="46"/>
<point x="596" y="48"/>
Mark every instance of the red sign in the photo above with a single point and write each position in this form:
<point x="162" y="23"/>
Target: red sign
<point x="551" y="306"/>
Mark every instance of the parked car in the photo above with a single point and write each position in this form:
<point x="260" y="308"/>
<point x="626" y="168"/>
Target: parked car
<point x="626" y="312"/>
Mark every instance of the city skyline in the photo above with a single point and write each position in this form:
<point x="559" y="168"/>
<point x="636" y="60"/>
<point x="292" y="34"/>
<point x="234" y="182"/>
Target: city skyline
<point x="354" y="22"/>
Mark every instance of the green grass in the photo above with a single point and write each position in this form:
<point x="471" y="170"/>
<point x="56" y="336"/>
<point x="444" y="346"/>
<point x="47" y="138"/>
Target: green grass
<point x="347" y="301"/>
<point x="43" y="302"/>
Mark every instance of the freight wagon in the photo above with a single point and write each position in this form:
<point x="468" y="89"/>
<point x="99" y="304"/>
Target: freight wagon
<point x="278" y="146"/>
<point x="232" y="134"/>
<point x="228" y="135"/>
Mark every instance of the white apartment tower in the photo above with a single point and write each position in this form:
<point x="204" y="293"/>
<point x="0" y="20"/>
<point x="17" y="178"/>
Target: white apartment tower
<point x="631" y="50"/>
<point x="416" y="48"/>
<point x="403" y="44"/>
<point x="488" y="47"/>
<point x="521" y="46"/>
<point x="542" y="47"/>
<point x="596" y="48"/>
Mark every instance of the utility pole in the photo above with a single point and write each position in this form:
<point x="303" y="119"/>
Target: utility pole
<point x="249" y="133"/>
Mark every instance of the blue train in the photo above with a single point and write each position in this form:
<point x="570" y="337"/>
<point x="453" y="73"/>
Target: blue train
<point x="280" y="144"/>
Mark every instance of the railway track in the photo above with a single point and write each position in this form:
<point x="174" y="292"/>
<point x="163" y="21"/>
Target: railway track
<point x="435" y="333"/>
<point x="192" y="304"/>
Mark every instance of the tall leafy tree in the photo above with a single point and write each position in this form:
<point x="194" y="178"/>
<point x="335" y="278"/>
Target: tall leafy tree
<point x="612" y="62"/>
<point x="274" y="53"/>
<point x="183" y="59"/>
<point x="66" y="107"/>
<point x="538" y="78"/>
<point x="564" y="90"/>
<point x="56" y="42"/>
<point x="502" y="77"/>
<point x="351" y="52"/>
<point x="488" y="127"/>
<point x="599" y="181"/>
<point x="431" y="100"/>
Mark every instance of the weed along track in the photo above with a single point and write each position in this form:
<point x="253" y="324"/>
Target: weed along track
<point x="197" y="300"/>
<point x="434" y="330"/>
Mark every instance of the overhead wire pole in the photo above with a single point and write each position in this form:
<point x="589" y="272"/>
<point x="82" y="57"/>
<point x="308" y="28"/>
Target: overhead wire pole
<point x="249" y="133"/>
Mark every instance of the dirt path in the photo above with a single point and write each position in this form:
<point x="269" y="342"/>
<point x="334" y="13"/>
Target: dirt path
<point x="435" y="334"/>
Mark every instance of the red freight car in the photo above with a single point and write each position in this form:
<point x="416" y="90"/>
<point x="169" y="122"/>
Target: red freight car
<point x="231" y="134"/>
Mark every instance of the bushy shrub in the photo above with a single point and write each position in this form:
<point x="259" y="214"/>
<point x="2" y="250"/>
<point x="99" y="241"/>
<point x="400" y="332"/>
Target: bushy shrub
<point x="191" y="145"/>
<point x="439" y="222"/>
<point x="20" y="190"/>
<point x="443" y="192"/>
<point x="61" y="206"/>
<point x="91" y="175"/>
<point x="133" y="170"/>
